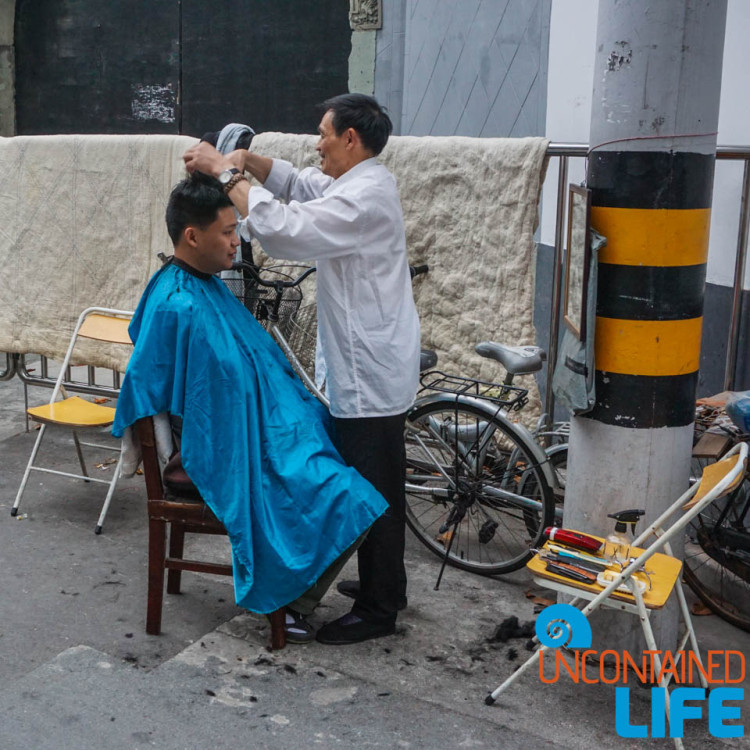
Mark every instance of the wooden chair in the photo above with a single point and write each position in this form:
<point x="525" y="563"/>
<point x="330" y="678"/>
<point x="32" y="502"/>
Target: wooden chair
<point x="181" y="515"/>
<point x="75" y="413"/>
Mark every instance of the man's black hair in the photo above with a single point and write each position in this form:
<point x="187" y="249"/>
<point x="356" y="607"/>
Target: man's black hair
<point x="194" y="202"/>
<point x="365" y="115"/>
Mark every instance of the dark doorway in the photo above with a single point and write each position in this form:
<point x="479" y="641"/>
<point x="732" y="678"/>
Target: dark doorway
<point x="145" y="66"/>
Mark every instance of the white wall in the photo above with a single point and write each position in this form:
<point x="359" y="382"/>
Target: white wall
<point x="570" y="78"/>
<point x="570" y="82"/>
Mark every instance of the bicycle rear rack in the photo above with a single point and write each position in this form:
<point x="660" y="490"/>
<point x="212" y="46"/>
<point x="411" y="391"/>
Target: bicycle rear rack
<point x="510" y="397"/>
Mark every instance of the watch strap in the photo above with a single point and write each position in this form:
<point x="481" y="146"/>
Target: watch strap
<point x="236" y="178"/>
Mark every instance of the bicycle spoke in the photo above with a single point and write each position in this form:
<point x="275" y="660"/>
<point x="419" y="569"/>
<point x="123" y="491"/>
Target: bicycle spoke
<point x="468" y="465"/>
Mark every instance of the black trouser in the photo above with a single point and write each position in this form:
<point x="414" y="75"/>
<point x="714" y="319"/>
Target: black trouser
<point x="374" y="446"/>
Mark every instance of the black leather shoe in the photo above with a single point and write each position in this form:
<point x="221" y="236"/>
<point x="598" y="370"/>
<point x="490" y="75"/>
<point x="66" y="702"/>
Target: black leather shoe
<point x="351" y="589"/>
<point x="352" y="629"/>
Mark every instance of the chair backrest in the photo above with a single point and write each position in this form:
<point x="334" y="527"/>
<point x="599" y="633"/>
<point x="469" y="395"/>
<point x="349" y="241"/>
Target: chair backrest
<point x="99" y="323"/>
<point x="717" y="480"/>
<point x="194" y="516"/>
<point x="713" y="474"/>
<point x="151" y="470"/>
<point x="112" y="328"/>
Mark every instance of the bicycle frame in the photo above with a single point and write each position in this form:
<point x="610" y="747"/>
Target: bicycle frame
<point x="475" y="441"/>
<point x="297" y="366"/>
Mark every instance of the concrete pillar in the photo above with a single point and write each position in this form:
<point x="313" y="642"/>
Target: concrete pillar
<point x="7" y="68"/>
<point x="653" y="138"/>
<point x="365" y="17"/>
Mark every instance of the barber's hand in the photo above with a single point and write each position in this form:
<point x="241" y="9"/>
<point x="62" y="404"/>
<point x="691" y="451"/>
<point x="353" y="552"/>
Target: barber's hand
<point x="205" y="158"/>
<point x="238" y="158"/>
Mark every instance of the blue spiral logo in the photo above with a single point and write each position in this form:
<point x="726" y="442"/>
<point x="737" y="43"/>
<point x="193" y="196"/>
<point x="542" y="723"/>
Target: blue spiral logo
<point x="563" y="625"/>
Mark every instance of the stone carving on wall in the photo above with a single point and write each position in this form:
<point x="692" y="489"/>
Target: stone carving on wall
<point x="365" y="15"/>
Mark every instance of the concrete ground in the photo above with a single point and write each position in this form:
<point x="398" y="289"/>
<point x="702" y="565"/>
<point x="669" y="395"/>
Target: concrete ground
<point x="78" y="671"/>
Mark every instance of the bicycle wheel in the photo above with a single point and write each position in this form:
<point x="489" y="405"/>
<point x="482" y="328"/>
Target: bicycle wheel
<point x="717" y="556"/>
<point x="558" y="459"/>
<point x="465" y="465"/>
<point x="557" y="456"/>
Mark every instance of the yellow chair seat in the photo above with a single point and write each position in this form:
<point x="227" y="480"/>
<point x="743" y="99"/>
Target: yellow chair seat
<point x="73" y="412"/>
<point x="663" y="572"/>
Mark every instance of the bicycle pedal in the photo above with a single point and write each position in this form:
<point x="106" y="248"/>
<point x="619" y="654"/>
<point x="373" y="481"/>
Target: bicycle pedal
<point x="487" y="532"/>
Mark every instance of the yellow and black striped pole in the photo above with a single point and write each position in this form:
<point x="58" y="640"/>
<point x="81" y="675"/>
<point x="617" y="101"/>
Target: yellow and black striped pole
<point x="653" y="142"/>
<point x="655" y="210"/>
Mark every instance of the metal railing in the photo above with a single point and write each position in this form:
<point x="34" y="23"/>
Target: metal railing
<point x="10" y="367"/>
<point x="564" y="152"/>
<point x="88" y="385"/>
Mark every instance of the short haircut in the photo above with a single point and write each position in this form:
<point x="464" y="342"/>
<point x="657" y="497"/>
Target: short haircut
<point x="365" y="115"/>
<point x="195" y="201"/>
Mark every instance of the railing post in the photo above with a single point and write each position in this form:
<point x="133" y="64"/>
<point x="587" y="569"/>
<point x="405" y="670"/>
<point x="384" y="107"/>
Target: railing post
<point x="739" y="280"/>
<point x="554" y="321"/>
<point x="11" y="365"/>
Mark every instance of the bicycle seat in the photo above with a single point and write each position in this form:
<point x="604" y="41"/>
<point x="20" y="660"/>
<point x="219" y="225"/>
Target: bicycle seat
<point x="517" y="360"/>
<point x="427" y="359"/>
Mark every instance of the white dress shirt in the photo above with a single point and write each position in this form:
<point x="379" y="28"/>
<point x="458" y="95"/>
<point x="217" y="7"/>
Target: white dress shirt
<point x="353" y="228"/>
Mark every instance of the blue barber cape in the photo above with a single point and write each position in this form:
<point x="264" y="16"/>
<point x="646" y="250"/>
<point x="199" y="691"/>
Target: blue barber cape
<point x="255" y="442"/>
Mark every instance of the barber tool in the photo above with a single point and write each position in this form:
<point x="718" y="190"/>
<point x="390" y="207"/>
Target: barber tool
<point x="592" y="563"/>
<point x="578" y="557"/>
<point x="607" y="576"/>
<point x="617" y="544"/>
<point x="570" y="560"/>
<point x="573" y="539"/>
<point x="573" y="572"/>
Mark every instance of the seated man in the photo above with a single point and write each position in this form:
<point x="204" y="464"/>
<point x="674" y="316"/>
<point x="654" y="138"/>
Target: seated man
<point x="255" y="442"/>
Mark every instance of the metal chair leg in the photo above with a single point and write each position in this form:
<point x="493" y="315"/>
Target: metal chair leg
<point x="14" y="509"/>
<point x="691" y="631"/>
<point x="26" y="403"/>
<point x="651" y="643"/>
<point x="533" y="659"/>
<point x="108" y="499"/>
<point x="80" y="455"/>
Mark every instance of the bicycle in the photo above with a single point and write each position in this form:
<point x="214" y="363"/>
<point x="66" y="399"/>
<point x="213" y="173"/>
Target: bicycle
<point x="478" y="486"/>
<point x="717" y="544"/>
<point x="480" y="489"/>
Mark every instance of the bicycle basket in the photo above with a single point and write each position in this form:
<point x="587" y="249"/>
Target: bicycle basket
<point x="302" y="338"/>
<point x="259" y="300"/>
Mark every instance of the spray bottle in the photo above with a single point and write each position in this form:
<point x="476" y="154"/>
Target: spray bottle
<point x="617" y="544"/>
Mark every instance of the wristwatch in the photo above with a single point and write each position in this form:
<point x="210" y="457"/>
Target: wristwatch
<point x="227" y="175"/>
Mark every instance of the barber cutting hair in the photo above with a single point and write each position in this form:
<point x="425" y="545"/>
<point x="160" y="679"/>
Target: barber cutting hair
<point x="346" y="215"/>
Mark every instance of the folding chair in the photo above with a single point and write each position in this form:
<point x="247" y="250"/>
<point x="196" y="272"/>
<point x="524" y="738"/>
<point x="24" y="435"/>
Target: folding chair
<point x="179" y="515"/>
<point x="718" y="479"/>
<point x="75" y="413"/>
